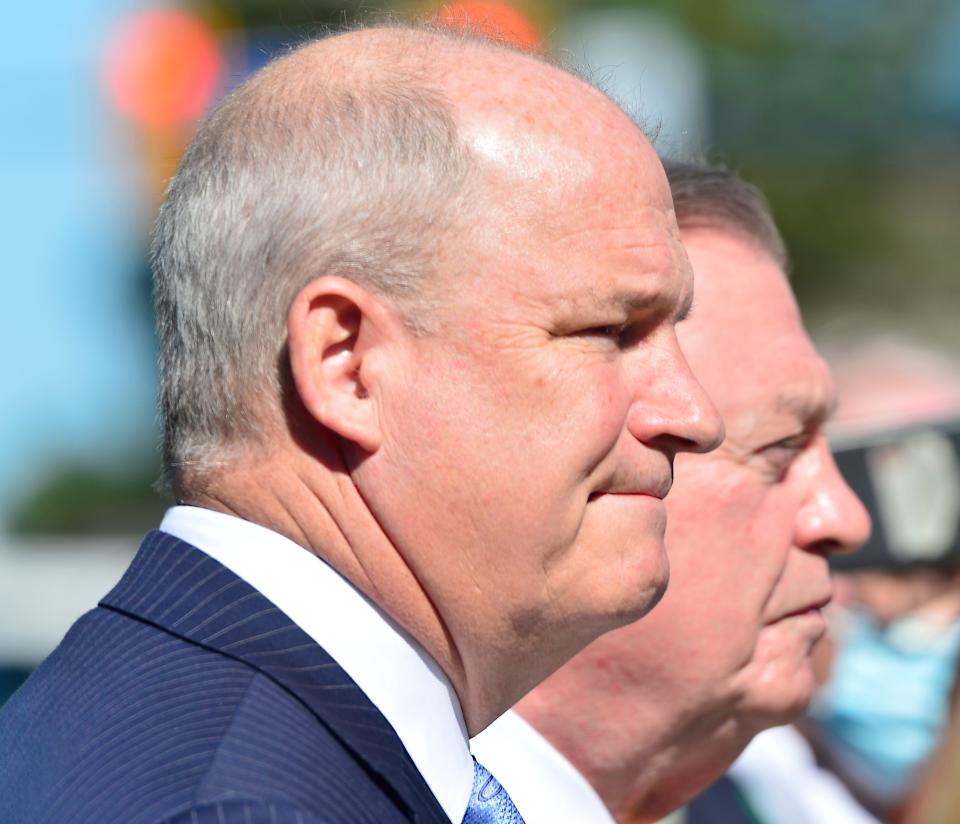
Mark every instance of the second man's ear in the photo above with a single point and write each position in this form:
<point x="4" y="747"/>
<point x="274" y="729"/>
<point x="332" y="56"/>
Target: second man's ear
<point x="333" y="326"/>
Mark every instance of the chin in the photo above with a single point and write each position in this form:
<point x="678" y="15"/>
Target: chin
<point x="780" y="680"/>
<point x="625" y="612"/>
<point x="778" y="701"/>
<point x="650" y="582"/>
<point x="625" y="581"/>
<point x="659" y="587"/>
<point x="776" y="688"/>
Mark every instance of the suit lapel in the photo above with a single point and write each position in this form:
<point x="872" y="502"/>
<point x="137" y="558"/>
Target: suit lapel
<point x="181" y="590"/>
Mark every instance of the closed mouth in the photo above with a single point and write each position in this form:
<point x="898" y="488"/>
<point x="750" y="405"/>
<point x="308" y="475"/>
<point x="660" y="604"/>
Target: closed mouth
<point x="625" y="494"/>
<point x="815" y="606"/>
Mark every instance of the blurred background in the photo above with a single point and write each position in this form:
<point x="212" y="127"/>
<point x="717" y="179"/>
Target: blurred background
<point x="846" y="114"/>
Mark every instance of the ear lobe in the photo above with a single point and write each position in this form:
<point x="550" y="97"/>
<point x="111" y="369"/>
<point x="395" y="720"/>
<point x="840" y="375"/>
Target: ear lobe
<point x="330" y="330"/>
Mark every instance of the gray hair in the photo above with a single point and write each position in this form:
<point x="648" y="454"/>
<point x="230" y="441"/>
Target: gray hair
<point x="714" y="198"/>
<point x="293" y="176"/>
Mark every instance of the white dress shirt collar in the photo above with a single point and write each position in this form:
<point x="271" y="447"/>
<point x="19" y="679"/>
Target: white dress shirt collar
<point x="396" y="674"/>
<point x="545" y="787"/>
<point x="780" y="776"/>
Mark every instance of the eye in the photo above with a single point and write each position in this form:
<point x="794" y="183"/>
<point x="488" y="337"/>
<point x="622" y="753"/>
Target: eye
<point x="609" y="331"/>
<point x="613" y="332"/>
<point x="792" y="444"/>
<point x="781" y="454"/>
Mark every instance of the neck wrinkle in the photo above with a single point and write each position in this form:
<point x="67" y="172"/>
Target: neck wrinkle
<point x="321" y="509"/>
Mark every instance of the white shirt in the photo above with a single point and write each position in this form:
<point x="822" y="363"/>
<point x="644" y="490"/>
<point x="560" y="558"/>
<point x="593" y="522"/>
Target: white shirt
<point x="394" y="671"/>
<point x="544" y="786"/>
<point x="784" y="784"/>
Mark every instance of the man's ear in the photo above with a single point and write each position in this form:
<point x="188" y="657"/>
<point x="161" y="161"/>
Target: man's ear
<point x="333" y="326"/>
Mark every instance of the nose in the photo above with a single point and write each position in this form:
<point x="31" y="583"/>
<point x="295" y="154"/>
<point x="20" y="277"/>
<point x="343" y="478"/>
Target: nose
<point x="832" y="519"/>
<point x="672" y="411"/>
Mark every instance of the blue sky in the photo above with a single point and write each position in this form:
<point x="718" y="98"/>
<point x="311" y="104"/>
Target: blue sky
<point x="76" y="353"/>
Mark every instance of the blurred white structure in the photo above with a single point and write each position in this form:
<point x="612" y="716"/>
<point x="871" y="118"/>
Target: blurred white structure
<point x="47" y="583"/>
<point x="784" y="784"/>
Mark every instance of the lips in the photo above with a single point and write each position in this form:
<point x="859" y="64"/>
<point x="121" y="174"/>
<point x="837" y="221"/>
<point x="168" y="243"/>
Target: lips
<point x="657" y="490"/>
<point x="813" y="607"/>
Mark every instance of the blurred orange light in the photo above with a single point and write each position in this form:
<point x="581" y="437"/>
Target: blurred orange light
<point x="495" y="20"/>
<point x="162" y="67"/>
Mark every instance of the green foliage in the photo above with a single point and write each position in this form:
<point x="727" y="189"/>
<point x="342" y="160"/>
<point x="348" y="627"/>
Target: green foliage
<point x="78" y="500"/>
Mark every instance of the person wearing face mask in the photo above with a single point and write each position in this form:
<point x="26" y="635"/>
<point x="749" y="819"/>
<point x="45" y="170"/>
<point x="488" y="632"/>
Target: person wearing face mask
<point x="882" y="713"/>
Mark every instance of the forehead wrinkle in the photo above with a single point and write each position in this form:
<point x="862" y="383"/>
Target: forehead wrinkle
<point x="635" y="226"/>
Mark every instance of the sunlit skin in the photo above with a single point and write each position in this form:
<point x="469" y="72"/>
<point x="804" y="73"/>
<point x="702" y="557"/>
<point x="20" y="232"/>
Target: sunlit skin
<point x="546" y="410"/>
<point x="654" y="711"/>
<point x="496" y="484"/>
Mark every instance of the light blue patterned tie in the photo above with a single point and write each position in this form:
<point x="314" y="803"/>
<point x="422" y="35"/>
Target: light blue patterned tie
<point x="489" y="801"/>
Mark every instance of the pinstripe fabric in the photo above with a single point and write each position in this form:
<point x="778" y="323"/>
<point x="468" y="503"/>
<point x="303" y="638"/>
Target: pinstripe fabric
<point x="188" y="696"/>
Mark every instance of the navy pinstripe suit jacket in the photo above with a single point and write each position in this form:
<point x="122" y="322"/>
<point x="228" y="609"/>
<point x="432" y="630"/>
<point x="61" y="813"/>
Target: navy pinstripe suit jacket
<point x="187" y="696"/>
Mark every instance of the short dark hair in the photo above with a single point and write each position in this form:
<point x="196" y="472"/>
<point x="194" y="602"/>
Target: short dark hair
<point x="712" y="197"/>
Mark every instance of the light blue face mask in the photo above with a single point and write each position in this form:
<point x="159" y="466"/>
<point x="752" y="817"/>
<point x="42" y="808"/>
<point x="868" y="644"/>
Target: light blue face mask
<point x="888" y="698"/>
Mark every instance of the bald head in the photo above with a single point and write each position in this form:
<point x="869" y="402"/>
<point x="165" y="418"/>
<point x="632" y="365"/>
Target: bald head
<point x="359" y="155"/>
<point x="526" y="130"/>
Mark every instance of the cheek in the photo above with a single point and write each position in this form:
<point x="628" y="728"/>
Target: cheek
<point x="606" y="389"/>
<point x="724" y="536"/>
<point x="566" y="410"/>
<point x="771" y="531"/>
<point x="518" y="427"/>
<point x="604" y="404"/>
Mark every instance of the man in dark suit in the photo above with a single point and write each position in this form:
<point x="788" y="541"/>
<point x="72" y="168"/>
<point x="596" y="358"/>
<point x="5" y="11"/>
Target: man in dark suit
<point x="421" y="395"/>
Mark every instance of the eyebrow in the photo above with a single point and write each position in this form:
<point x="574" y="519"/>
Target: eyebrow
<point x="811" y="408"/>
<point x="630" y="300"/>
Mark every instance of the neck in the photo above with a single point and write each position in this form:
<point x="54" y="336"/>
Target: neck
<point x="674" y="778"/>
<point x="315" y="504"/>
<point x="309" y="486"/>
<point x="643" y="763"/>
